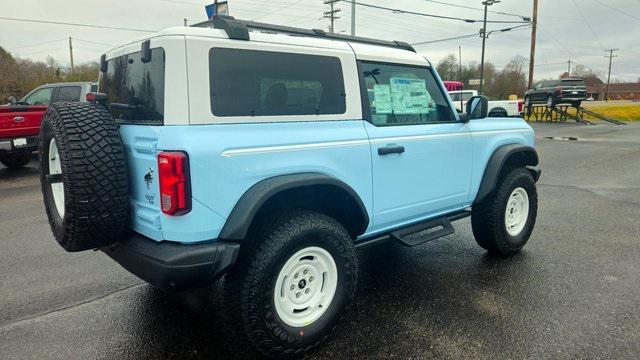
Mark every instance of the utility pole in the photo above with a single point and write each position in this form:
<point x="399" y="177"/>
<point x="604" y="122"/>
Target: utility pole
<point x="71" y="54"/>
<point x="331" y="14"/>
<point x="610" y="56"/>
<point x="185" y="22"/>
<point x="486" y="4"/>
<point x="532" y="55"/>
<point x="353" y="18"/>
<point x="569" y="70"/>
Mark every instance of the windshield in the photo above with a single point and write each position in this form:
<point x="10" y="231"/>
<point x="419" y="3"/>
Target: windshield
<point x="135" y="89"/>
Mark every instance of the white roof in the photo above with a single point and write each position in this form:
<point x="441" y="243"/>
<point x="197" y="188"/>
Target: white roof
<point x="361" y="50"/>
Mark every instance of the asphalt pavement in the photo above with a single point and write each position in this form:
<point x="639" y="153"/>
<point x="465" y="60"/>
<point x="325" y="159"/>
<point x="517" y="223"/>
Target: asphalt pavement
<point x="573" y="292"/>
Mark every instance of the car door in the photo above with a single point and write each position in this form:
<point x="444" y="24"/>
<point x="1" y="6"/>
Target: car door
<point x="421" y="153"/>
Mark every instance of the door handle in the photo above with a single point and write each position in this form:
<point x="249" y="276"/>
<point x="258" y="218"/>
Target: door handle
<point x="18" y="119"/>
<point x="390" y="150"/>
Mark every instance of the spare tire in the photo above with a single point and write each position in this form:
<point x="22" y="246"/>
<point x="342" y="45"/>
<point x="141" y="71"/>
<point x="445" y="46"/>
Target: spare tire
<point x="84" y="176"/>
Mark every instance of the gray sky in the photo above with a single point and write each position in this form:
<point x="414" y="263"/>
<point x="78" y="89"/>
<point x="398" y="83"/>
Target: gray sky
<point x="576" y="29"/>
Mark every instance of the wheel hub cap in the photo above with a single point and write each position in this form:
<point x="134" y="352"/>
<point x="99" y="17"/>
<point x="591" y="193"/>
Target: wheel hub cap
<point x="305" y="286"/>
<point x="517" y="212"/>
<point x="55" y="167"/>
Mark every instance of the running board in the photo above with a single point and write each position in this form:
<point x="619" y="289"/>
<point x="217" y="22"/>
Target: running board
<point x="432" y="230"/>
<point x="408" y="236"/>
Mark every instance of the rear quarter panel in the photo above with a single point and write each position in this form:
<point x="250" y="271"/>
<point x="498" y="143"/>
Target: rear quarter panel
<point x="488" y="135"/>
<point x="226" y="160"/>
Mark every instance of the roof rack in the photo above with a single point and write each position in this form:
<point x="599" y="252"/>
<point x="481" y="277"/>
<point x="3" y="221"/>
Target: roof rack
<point x="239" y="30"/>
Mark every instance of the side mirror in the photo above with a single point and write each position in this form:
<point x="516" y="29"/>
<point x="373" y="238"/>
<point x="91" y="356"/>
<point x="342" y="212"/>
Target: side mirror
<point x="13" y="100"/>
<point x="477" y="107"/>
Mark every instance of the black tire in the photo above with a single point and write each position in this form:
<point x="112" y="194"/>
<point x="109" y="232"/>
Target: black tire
<point x="498" y="112"/>
<point x="577" y="104"/>
<point x="15" y="160"/>
<point x="94" y="175"/>
<point x="250" y="286"/>
<point x="488" y="217"/>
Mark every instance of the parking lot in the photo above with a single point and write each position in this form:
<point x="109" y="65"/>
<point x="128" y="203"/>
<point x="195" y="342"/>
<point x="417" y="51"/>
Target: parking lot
<point x="573" y="292"/>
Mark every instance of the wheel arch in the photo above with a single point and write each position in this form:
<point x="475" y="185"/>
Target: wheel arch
<point x="503" y="157"/>
<point x="303" y="190"/>
<point x="498" y="109"/>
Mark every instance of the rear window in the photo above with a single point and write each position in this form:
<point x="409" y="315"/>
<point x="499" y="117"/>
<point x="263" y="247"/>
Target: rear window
<point x="263" y="83"/>
<point x="572" y="83"/>
<point x="69" y="93"/>
<point x="135" y="89"/>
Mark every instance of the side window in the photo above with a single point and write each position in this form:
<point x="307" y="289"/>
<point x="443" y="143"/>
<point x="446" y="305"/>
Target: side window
<point x="264" y="83"/>
<point x="404" y="95"/>
<point x="40" y="97"/>
<point x="68" y="93"/>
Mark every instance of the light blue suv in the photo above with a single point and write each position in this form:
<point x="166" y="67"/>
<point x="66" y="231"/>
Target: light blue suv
<point x="270" y="154"/>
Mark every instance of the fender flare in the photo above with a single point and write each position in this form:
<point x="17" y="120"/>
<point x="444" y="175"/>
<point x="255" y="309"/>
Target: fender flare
<point x="245" y="210"/>
<point x="497" y="161"/>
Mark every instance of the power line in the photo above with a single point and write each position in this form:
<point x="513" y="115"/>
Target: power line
<point x="36" y="44"/>
<point x="475" y="8"/>
<point x="278" y="10"/>
<point x="471" y="35"/>
<point x="75" y="24"/>
<point x="617" y="10"/>
<point x="93" y="42"/>
<point x="587" y="23"/>
<point x="401" y="11"/>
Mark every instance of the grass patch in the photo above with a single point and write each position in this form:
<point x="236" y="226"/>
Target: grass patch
<point x="619" y="111"/>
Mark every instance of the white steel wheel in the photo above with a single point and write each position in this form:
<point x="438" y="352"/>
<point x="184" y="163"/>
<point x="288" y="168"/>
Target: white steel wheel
<point x="305" y="286"/>
<point x="55" y="168"/>
<point x="517" y="211"/>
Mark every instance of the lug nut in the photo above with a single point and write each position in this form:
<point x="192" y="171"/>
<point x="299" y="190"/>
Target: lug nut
<point x="310" y="278"/>
<point x="293" y="287"/>
<point x="298" y="294"/>
<point x="305" y="271"/>
<point x="307" y="291"/>
<point x="295" y="276"/>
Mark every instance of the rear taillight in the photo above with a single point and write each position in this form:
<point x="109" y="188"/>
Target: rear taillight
<point x="93" y="96"/>
<point x="175" y="187"/>
<point x="520" y="106"/>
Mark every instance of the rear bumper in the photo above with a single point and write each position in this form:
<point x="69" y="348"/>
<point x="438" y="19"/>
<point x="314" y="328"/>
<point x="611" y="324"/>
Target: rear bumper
<point x="8" y="145"/>
<point x="173" y="266"/>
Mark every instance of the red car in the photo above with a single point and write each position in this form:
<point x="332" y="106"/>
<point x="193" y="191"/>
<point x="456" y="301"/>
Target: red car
<point x="20" y="120"/>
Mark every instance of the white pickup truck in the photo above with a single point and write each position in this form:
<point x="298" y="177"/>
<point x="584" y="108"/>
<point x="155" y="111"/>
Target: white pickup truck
<point x="498" y="108"/>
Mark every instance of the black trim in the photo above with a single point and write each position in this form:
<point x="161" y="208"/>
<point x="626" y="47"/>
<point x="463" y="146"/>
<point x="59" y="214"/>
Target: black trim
<point x="239" y="30"/>
<point x="243" y="213"/>
<point x="145" y="52"/>
<point x="426" y="224"/>
<point x="496" y="163"/>
<point x="103" y="63"/>
<point x="364" y="96"/>
<point x="170" y="265"/>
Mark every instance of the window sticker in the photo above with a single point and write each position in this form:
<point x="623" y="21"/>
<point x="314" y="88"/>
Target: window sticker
<point x="382" y="98"/>
<point x="409" y="96"/>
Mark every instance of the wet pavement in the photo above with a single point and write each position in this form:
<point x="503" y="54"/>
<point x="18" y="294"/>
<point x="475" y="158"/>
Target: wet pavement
<point x="573" y="292"/>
